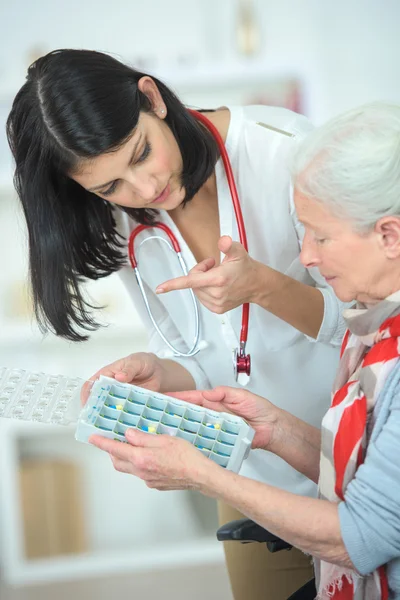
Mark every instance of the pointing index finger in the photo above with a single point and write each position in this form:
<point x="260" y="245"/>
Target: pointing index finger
<point x="193" y="281"/>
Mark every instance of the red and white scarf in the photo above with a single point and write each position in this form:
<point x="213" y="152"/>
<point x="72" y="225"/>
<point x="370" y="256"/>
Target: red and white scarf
<point x="370" y="350"/>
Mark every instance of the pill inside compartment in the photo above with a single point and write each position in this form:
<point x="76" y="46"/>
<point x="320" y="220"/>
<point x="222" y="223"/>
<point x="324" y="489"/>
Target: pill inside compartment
<point x="208" y="432"/>
<point x="147" y="426"/>
<point x="213" y="422"/>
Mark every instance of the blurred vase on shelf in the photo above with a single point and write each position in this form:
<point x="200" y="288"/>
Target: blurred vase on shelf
<point x="247" y="29"/>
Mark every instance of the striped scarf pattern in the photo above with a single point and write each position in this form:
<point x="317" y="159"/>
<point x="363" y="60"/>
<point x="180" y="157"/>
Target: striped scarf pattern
<point x="370" y="350"/>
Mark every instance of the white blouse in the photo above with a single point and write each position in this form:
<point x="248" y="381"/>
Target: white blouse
<point x="290" y="369"/>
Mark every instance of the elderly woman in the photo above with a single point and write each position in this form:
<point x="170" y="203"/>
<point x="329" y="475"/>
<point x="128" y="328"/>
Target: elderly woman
<point x="347" y="195"/>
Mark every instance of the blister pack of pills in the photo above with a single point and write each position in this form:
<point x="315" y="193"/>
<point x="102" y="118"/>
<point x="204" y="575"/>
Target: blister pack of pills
<point x="31" y="396"/>
<point x="114" y="407"/>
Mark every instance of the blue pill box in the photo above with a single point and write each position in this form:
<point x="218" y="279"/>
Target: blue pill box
<point x="113" y="407"/>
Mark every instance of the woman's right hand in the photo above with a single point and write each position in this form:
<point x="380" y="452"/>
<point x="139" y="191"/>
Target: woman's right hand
<point x="259" y="413"/>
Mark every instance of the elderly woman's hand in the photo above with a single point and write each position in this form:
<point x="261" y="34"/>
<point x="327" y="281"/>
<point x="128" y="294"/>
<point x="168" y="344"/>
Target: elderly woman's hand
<point x="162" y="461"/>
<point x="259" y="413"/>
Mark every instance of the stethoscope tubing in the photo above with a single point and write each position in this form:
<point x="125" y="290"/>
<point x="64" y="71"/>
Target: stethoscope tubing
<point x="241" y="360"/>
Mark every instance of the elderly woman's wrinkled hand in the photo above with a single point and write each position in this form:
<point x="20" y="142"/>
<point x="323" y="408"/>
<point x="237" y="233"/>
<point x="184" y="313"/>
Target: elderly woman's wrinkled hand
<point x="263" y="416"/>
<point x="162" y="461"/>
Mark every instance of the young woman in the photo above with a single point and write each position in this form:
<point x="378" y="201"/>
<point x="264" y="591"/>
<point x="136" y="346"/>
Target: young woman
<point x="100" y="148"/>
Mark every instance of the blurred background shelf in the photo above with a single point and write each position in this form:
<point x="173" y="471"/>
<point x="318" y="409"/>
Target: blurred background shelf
<point x="128" y="526"/>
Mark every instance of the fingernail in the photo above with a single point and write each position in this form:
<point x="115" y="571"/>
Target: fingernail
<point x="160" y="290"/>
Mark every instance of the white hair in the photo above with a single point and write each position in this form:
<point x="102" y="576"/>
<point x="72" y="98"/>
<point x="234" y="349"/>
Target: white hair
<point x="352" y="164"/>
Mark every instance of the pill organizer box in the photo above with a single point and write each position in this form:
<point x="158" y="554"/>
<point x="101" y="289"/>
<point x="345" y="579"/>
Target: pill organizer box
<point x="114" y="407"/>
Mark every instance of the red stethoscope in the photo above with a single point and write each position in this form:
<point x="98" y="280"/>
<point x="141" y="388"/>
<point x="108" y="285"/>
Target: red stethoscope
<point x="241" y="360"/>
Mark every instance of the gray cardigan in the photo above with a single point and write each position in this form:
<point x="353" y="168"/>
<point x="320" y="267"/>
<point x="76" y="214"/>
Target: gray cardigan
<point x="370" y="515"/>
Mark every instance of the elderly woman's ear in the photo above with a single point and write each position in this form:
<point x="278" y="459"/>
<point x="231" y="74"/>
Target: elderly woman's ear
<point x="388" y="229"/>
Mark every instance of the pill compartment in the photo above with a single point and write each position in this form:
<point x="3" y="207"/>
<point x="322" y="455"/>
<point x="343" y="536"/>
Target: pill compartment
<point x="171" y="421"/>
<point x="185" y="435"/>
<point x="220" y="460"/>
<point x="120" y="428"/>
<point x="105" y="424"/>
<point x="166" y="430"/>
<point x="190" y="426"/>
<point x="176" y="410"/>
<point x="226" y="438"/>
<point x="201" y="442"/>
<point x="146" y="425"/>
<point x="151" y="415"/>
<point x="230" y="427"/>
<point x="208" y="432"/>
<point x="109" y="413"/>
<point x="155" y="403"/>
<point x="133" y="409"/>
<point x="128" y="419"/>
<point x="117" y="392"/>
<point x="195" y="416"/>
<point x="222" y="449"/>
<point x="212" y="422"/>
<point x="139" y="398"/>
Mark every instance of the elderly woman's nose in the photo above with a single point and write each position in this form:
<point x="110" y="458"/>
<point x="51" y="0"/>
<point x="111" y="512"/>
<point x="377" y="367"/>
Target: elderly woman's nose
<point x="308" y="255"/>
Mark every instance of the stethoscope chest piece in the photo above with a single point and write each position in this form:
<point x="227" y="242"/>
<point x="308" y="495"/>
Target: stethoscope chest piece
<point x="241" y="363"/>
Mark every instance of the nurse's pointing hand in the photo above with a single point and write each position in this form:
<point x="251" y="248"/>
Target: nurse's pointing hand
<point x="233" y="283"/>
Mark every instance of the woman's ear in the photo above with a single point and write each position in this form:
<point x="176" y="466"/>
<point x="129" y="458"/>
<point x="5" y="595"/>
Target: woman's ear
<point x="149" y="88"/>
<point x="388" y="228"/>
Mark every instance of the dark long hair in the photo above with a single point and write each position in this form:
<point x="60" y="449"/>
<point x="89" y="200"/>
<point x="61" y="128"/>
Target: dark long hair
<point x="76" y="105"/>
